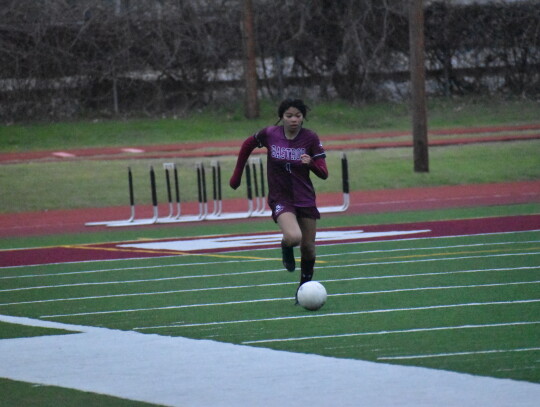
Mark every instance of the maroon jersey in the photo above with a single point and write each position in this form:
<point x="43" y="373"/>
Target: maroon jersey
<point x="288" y="178"/>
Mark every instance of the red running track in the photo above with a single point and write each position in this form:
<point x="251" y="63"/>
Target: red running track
<point x="54" y="222"/>
<point x="374" y="201"/>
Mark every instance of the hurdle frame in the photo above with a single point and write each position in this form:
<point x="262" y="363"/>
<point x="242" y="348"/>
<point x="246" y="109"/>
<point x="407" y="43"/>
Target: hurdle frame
<point x="131" y="204"/>
<point x="255" y="188"/>
<point x="202" y="198"/>
<point x="146" y="221"/>
<point x="260" y="209"/>
<point x="345" y="189"/>
<point x="220" y="215"/>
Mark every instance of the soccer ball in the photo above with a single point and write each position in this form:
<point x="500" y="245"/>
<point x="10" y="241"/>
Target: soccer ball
<point x="311" y="295"/>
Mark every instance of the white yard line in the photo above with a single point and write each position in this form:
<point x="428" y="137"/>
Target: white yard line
<point x="398" y="331"/>
<point x="340" y="314"/>
<point x="388" y="276"/>
<point x="160" y="266"/>
<point x="451" y="354"/>
<point x="213" y="304"/>
<point x="262" y="271"/>
<point x="146" y="280"/>
<point x="176" y="371"/>
<point x="408" y="249"/>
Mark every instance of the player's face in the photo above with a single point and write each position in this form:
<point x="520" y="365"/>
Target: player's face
<point x="292" y="119"/>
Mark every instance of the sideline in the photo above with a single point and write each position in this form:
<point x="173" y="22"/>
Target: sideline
<point x="219" y="245"/>
<point x="177" y="371"/>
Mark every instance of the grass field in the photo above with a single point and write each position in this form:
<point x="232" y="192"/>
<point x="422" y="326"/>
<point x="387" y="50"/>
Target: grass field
<point x="228" y="122"/>
<point x="88" y="183"/>
<point x="466" y="303"/>
<point x="49" y="185"/>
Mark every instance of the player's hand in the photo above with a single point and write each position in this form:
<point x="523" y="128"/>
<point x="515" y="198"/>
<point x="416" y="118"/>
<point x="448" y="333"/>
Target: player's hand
<point x="234" y="182"/>
<point x="306" y="159"/>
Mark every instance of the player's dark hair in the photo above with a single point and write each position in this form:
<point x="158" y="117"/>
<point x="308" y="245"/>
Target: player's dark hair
<point x="297" y="103"/>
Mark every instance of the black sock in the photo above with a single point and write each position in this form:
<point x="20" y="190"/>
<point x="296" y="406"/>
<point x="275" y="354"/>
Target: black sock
<point x="306" y="267"/>
<point x="287" y="254"/>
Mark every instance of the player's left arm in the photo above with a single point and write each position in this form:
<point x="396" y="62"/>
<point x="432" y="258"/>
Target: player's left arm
<point x="317" y="165"/>
<point x="316" y="160"/>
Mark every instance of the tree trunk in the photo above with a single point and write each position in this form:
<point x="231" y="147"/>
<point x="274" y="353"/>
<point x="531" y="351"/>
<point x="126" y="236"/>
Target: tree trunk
<point x="418" y="93"/>
<point x="251" y="107"/>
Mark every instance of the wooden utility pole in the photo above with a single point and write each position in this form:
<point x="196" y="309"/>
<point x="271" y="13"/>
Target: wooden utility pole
<point x="251" y="107"/>
<point x="418" y="86"/>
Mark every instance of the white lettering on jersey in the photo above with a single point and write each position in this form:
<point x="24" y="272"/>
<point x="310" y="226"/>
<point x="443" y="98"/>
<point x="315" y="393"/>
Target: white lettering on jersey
<point x="284" y="153"/>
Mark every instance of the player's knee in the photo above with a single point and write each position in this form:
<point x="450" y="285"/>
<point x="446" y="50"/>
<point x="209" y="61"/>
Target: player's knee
<point x="292" y="239"/>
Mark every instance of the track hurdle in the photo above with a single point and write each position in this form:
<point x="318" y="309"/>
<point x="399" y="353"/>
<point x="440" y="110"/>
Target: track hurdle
<point x="201" y="194"/>
<point x="131" y="203"/>
<point x="147" y="221"/>
<point x="217" y="201"/>
<point x="216" y="188"/>
<point x="168" y="167"/>
<point x="260" y="194"/>
<point x="256" y="191"/>
<point x="345" y="187"/>
<point x="217" y="212"/>
<point x="256" y="196"/>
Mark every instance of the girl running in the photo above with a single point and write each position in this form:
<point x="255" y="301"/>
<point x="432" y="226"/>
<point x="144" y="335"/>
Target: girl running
<point x="293" y="152"/>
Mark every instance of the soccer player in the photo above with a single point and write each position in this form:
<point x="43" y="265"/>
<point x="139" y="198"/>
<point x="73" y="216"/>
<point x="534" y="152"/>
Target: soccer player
<point x="293" y="152"/>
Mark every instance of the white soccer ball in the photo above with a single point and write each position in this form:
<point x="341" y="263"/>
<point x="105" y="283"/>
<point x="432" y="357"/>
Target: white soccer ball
<point x="311" y="295"/>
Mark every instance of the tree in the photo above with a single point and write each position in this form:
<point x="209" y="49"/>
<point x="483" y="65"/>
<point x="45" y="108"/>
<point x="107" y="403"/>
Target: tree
<point x="250" y="70"/>
<point x="418" y="93"/>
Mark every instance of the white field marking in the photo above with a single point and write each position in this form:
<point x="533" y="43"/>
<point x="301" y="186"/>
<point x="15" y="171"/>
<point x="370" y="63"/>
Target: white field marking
<point x="167" y="307"/>
<point x="63" y="154"/>
<point x="444" y="355"/>
<point x="441" y="273"/>
<point x="430" y="260"/>
<point x="437" y="237"/>
<point x="390" y="276"/>
<point x="428" y="248"/>
<point x="92" y="244"/>
<point x="265" y="271"/>
<point x="288" y="298"/>
<point x="401" y="290"/>
<point x="132" y="268"/>
<point x="108" y="361"/>
<point x="149" y="280"/>
<point x="62" y="263"/>
<point x="132" y="150"/>
<point x="462" y="253"/>
<point x="251" y="260"/>
<point x="255" y="248"/>
<point x="191" y="290"/>
<point x="398" y="331"/>
<point x="250" y="241"/>
<point x="341" y="314"/>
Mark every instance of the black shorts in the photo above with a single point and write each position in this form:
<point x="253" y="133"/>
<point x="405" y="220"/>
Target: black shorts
<point x="310" y="212"/>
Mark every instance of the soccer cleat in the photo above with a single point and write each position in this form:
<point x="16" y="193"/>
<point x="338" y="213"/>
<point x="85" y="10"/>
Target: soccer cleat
<point x="288" y="257"/>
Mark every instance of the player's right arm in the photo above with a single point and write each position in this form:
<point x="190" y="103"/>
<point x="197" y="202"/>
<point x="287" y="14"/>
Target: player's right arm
<point x="245" y="151"/>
